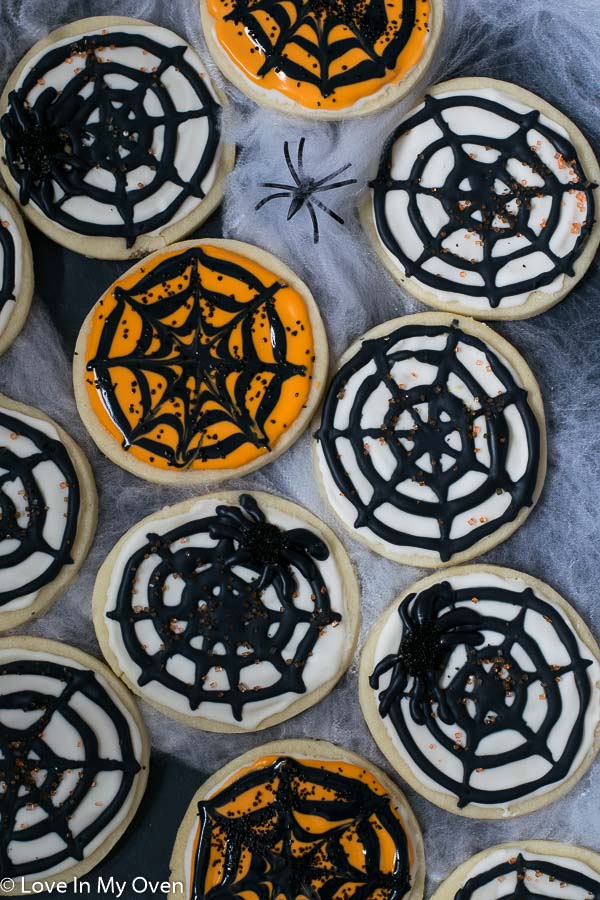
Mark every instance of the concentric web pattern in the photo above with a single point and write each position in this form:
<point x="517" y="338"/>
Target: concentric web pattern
<point x="52" y="772"/>
<point x="196" y="375"/>
<point x="527" y="876"/>
<point x="222" y="599"/>
<point x="486" y="213"/>
<point x="271" y="850"/>
<point x="369" y="47"/>
<point x="491" y="696"/>
<point x="429" y="465"/>
<point x="104" y="155"/>
<point x="39" y="508"/>
<point x="7" y="268"/>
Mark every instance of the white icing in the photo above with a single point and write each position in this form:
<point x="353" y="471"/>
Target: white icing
<point x="321" y="667"/>
<point x="65" y="740"/>
<point x="7" y="221"/>
<point x="536" y="882"/>
<point x="545" y="636"/>
<point x="191" y="138"/>
<point x="470" y="120"/>
<point x="55" y="491"/>
<point x="412" y="373"/>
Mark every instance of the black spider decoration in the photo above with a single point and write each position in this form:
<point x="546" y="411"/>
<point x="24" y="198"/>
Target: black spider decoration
<point x="486" y="694"/>
<point x="281" y="856"/>
<point x="301" y="193"/>
<point x="32" y="770"/>
<point x="225" y="609"/>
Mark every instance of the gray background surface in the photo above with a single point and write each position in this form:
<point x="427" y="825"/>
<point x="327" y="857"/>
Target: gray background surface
<point x="548" y="46"/>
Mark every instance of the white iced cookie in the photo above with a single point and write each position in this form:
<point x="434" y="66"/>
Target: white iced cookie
<point x="485" y="201"/>
<point x="431" y="448"/>
<point x="112" y="137"/>
<point x="299" y="819"/>
<point x="73" y="761"/>
<point x="48" y="512"/>
<point x="482" y="687"/>
<point x="231" y="612"/>
<point x="527" y="868"/>
<point x="16" y="272"/>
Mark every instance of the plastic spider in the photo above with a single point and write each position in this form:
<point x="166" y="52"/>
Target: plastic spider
<point x="259" y="541"/>
<point x="302" y="192"/>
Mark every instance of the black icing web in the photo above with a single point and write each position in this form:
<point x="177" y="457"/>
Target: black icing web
<point x="27" y="530"/>
<point x="484" y="198"/>
<point x="488" y="693"/>
<point x="285" y="859"/>
<point x="303" y="190"/>
<point x="7" y="253"/>
<point x="311" y="25"/>
<point x="54" y="144"/>
<point x="428" y="436"/>
<point x="197" y="359"/>
<point x="222" y="620"/>
<point x="32" y="772"/>
<point x="529" y="870"/>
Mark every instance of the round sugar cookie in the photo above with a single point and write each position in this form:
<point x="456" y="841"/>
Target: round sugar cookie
<point x="48" y="512"/>
<point x="16" y="272"/>
<point x="112" y="137"/>
<point x="481" y="685"/>
<point x="300" y="818"/>
<point x="325" y="60"/>
<point x="486" y="201"/>
<point x="431" y="448"/>
<point x="552" y="869"/>
<point x="204" y="361"/>
<point x="230" y="612"/>
<point x="73" y="763"/>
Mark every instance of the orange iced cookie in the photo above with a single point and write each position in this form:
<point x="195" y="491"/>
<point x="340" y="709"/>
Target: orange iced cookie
<point x="203" y="360"/>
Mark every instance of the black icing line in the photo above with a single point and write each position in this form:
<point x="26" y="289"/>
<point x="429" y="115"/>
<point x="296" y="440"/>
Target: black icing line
<point x="221" y="607"/>
<point x="53" y="142"/>
<point x="491" y="678"/>
<point x="30" y="535"/>
<point x="561" y="873"/>
<point x="429" y="437"/>
<point x="482" y="197"/>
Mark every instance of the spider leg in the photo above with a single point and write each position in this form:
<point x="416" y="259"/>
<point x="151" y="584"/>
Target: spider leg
<point x="329" y="212"/>
<point x="264" y="200"/>
<point x="301" y="158"/>
<point x="290" y="164"/>
<point x="333" y="175"/>
<point x="275" y="184"/>
<point x="315" y="223"/>
<point x="336" y="184"/>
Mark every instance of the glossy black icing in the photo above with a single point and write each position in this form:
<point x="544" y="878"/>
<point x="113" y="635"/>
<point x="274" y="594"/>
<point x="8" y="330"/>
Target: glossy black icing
<point x="483" y="195"/>
<point x="447" y="414"/>
<point x="28" y="531"/>
<point x="32" y="771"/>
<point x="309" y="24"/>
<point x="527" y="869"/>
<point x="9" y="260"/>
<point x="320" y="867"/>
<point x="225" y="608"/>
<point x="484" y="695"/>
<point x="63" y="136"/>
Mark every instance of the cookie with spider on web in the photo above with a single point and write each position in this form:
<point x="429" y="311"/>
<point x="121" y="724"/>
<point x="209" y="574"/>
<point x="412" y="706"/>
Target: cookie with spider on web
<point x="299" y="818"/>
<point x="74" y="757"/>
<point x="525" y="869"/>
<point x="111" y="137"/>
<point x="431" y="447"/>
<point x="48" y="512"/>
<point x="204" y="361"/>
<point x="482" y="687"/>
<point x="485" y="201"/>
<point x="325" y="59"/>
<point x="16" y="272"/>
<point x="232" y="612"/>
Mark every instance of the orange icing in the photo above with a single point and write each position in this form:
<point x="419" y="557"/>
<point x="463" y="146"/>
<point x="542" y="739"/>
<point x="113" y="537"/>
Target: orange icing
<point x="247" y="54"/>
<point x="264" y="793"/>
<point x="289" y="307"/>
